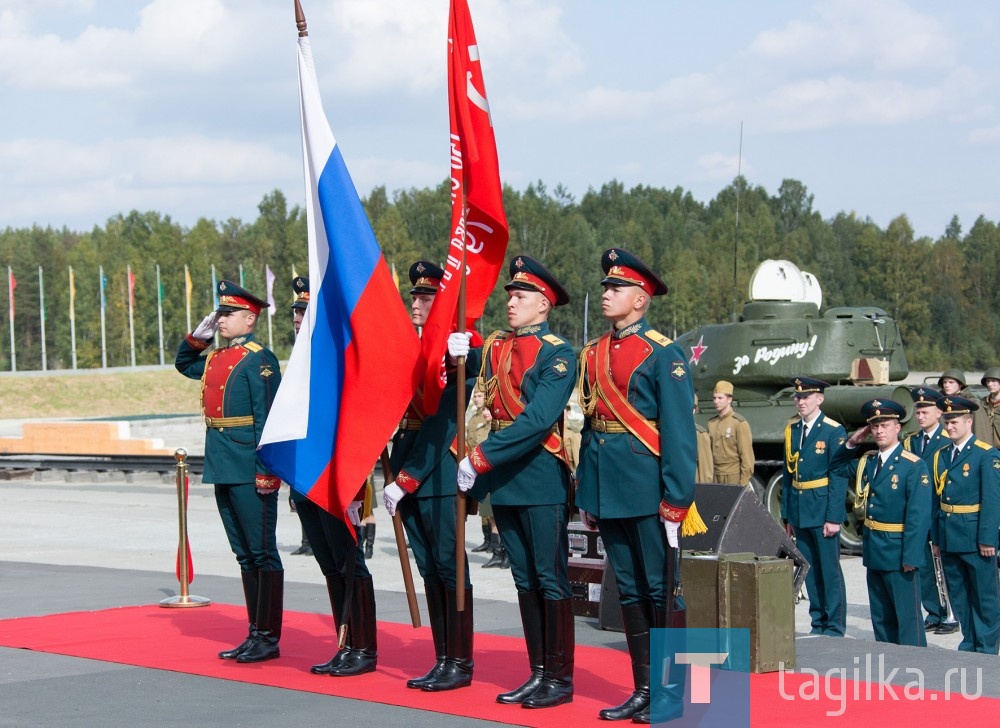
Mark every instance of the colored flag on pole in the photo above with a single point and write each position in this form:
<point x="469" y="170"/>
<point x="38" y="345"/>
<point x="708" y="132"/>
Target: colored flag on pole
<point x="478" y="221"/>
<point x="11" y="286"/>
<point x="352" y="370"/>
<point x="131" y="287"/>
<point x="269" y="279"/>
<point x="215" y="290"/>
<point x="72" y="295"/>
<point x="104" y="284"/>
<point x="188" y="285"/>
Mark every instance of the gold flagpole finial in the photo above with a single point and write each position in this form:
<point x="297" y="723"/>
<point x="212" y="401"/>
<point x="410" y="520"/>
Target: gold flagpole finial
<point x="300" y="20"/>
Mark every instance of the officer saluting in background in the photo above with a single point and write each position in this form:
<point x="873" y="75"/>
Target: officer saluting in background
<point x="966" y="517"/>
<point x="812" y="504"/>
<point x="893" y="489"/>
<point x="239" y="382"/>
<point x="528" y="377"/>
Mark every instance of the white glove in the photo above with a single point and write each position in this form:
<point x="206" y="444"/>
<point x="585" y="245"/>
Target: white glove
<point x="392" y="494"/>
<point x="458" y="344"/>
<point x="354" y="513"/>
<point x="589" y="522"/>
<point x="466" y="474"/>
<point x="207" y="328"/>
<point x="673" y="529"/>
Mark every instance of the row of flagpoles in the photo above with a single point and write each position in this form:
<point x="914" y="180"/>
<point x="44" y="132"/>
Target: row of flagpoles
<point x="102" y="285"/>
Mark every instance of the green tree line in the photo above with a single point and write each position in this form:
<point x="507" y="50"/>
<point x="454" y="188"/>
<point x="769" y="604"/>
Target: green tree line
<point x="943" y="292"/>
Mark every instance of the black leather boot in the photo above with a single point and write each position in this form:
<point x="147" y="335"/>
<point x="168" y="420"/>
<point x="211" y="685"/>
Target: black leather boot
<point x="457" y="671"/>
<point x="556" y="687"/>
<point x="369" y="540"/>
<point x="637" y="619"/>
<point x="304" y="548"/>
<point x="335" y="588"/>
<point x="533" y="624"/>
<point x="666" y="702"/>
<point x="437" y="609"/>
<point x="270" y="609"/>
<point x="363" y="655"/>
<point x="487" y="541"/>
<point x="499" y="558"/>
<point x="251" y="584"/>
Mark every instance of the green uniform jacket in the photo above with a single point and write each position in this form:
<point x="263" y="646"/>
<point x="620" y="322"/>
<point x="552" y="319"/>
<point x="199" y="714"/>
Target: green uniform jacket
<point x="732" y="448"/>
<point x="514" y="468"/>
<point x="813" y="507"/>
<point x="619" y="477"/>
<point x="245" y="389"/>
<point x="421" y="460"/>
<point x="900" y="494"/>
<point x="973" y="478"/>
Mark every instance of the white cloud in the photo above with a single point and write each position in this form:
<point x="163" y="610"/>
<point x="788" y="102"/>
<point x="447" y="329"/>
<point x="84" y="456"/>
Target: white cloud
<point x="885" y="35"/>
<point x="174" y="36"/>
<point x="161" y="173"/>
<point x="987" y="135"/>
<point x="719" y="167"/>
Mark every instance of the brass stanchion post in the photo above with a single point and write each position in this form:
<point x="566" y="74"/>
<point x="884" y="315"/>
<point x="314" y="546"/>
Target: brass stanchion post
<point x="183" y="599"/>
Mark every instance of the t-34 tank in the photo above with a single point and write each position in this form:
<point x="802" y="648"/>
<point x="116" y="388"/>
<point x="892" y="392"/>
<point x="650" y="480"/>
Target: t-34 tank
<point x="781" y="334"/>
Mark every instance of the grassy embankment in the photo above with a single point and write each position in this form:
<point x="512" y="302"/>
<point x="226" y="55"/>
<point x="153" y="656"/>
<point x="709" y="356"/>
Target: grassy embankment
<point x="120" y="393"/>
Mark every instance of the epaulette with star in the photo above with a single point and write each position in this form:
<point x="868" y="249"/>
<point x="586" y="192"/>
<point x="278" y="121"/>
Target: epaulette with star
<point x="553" y="339"/>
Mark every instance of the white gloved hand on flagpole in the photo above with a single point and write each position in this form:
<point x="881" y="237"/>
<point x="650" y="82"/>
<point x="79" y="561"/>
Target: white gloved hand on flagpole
<point x="207" y="328"/>
<point x="458" y="344"/>
<point x="466" y="474"/>
<point x="354" y="513"/>
<point x="392" y="494"/>
<point x="672" y="528"/>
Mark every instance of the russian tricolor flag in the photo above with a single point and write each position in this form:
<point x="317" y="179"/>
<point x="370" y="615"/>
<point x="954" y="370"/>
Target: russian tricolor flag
<point x="352" y="369"/>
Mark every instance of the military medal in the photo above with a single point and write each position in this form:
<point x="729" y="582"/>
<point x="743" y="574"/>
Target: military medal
<point x="965" y="470"/>
<point x="895" y="481"/>
<point x="821" y="447"/>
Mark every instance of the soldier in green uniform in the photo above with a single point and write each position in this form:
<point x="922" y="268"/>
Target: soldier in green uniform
<point x="239" y="382"/>
<point x="893" y="489"/>
<point x="424" y="491"/>
<point x="528" y="377"/>
<point x="300" y="289"/>
<point x="637" y="469"/>
<point x="812" y="504"/>
<point x="332" y="545"/>
<point x="987" y="417"/>
<point x="926" y="441"/>
<point x="732" y="443"/>
<point x="965" y="523"/>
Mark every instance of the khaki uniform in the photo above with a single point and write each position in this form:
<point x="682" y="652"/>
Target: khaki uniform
<point x="706" y="469"/>
<point x="732" y="449"/>
<point x="571" y="441"/>
<point x="986" y="422"/>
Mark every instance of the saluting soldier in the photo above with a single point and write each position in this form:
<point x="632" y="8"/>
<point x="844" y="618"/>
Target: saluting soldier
<point x="813" y="504"/>
<point x="637" y="468"/>
<point x="528" y="377"/>
<point x="893" y="490"/>
<point x="425" y="493"/>
<point x="926" y="441"/>
<point x="732" y="443"/>
<point x="333" y="545"/>
<point x="239" y="382"/>
<point x="966" y="519"/>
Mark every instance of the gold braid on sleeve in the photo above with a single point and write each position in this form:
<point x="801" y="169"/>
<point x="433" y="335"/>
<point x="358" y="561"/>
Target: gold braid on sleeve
<point x="489" y="385"/>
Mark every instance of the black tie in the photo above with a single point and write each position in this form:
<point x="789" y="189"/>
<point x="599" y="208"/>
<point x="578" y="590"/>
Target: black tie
<point x="927" y="440"/>
<point x="954" y="453"/>
<point x="878" y="466"/>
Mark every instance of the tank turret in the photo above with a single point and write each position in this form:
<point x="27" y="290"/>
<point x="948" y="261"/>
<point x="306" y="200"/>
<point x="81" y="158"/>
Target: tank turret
<point x="781" y="334"/>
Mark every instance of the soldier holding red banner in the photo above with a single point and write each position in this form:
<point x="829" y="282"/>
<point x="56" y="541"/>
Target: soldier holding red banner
<point x="528" y="377"/>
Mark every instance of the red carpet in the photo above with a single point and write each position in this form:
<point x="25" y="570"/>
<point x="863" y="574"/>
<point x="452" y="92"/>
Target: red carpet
<point x="186" y="641"/>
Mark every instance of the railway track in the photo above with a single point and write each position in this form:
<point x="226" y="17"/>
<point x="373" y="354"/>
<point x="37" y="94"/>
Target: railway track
<point x="22" y="462"/>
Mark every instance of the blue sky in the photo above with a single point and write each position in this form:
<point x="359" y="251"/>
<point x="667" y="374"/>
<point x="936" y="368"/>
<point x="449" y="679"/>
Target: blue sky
<point x="188" y="107"/>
